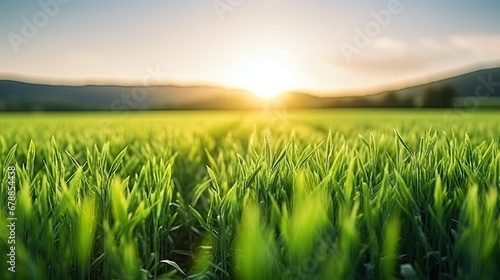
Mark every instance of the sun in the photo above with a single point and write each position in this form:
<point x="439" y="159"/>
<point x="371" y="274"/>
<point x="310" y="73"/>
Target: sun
<point x="267" y="73"/>
<point x="267" y="77"/>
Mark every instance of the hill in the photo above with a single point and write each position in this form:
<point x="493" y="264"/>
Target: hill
<point x="21" y="96"/>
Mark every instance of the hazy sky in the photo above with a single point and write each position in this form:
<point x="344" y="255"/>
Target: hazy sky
<point x="279" y="44"/>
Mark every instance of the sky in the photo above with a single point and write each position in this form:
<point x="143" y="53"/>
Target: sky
<point x="266" y="46"/>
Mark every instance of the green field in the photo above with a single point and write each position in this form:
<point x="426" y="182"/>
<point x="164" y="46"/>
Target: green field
<point x="339" y="194"/>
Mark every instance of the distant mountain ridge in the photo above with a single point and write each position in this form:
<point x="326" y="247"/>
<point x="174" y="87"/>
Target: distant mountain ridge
<point x="465" y="84"/>
<point x="21" y="96"/>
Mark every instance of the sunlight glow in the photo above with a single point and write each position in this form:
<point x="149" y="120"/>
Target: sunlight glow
<point x="267" y="73"/>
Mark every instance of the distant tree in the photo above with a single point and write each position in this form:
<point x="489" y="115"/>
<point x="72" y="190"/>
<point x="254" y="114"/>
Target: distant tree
<point x="359" y="102"/>
<point x="438" y="98"/>
<point x="393" y="99"/>
<point x="448" y="93"/>
<point x="429" y="97"/>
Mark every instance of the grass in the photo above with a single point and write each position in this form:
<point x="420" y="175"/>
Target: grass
<point x="340" y="194"/>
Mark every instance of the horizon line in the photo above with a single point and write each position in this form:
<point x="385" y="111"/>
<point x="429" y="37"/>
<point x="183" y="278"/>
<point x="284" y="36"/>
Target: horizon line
<point x="420" y="80"/>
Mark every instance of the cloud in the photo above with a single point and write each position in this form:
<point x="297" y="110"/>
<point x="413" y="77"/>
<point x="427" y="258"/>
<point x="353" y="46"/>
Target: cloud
<point x="481" y="46"/>
<point x="432" y="44"/>
<point x="389" y="44"/>
<point x="390" y="57"/>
